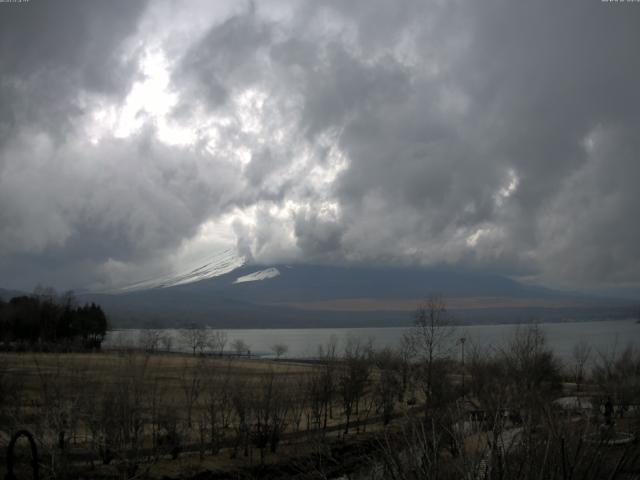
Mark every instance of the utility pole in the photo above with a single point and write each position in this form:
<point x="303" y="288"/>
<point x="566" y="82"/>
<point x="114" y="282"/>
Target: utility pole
<point x="462" y="340"/>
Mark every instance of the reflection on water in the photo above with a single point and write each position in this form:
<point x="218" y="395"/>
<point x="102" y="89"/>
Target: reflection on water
<point x="603" y="336"/>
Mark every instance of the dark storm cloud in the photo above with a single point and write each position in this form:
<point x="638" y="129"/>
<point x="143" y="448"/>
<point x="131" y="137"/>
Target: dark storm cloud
<point x="496" y="135"/>
<point x="229" y="57"/>
<point x="123" y="199"/>
<point x="518" y="86"/>
<point x="52" y="51"/>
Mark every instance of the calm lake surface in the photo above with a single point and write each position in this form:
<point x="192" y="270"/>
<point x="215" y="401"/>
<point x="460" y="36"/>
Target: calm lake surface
<point x="603" y="336"/>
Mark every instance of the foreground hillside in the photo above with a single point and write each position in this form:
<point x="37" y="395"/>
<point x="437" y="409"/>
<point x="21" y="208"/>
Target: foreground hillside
<point x="406" y="413"/>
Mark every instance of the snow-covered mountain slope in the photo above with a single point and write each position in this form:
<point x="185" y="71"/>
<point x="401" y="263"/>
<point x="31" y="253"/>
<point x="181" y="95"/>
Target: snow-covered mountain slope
<point x="259" y="275"/>
<point x="219" y="264"/>
<point x="225" y="292"/>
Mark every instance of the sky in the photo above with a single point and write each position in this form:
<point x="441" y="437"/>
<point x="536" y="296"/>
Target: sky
<point x="137" y="138"/>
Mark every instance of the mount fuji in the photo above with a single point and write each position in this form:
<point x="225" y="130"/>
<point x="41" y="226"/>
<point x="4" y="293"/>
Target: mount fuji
<point x="219" y="264"/>
<point x="226" y="291"/>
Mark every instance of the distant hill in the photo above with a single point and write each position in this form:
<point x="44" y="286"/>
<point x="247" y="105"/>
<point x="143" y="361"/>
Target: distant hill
<point x="8" y="294"/>
<point x="297" y="296"/>
<point x="224" y="291"/>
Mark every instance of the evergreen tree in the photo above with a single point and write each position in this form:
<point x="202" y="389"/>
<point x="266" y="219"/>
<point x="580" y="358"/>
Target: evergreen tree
<point x="45" y="318"/>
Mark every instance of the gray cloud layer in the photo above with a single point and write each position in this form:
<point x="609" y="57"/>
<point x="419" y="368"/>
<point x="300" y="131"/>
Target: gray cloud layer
<point x="494" y="135"/>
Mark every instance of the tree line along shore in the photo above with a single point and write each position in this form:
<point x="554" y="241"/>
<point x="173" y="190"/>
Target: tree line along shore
<point x="47" y="321"/>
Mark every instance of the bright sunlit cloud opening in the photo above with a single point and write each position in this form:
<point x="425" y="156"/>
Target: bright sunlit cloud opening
<point x="509" y="189"/>
<point x="149" y="101"/>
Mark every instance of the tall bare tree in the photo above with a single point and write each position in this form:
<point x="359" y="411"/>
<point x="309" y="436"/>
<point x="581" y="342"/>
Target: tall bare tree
<point x="194" y="337"/>
<point x="218" y="404"/>
<point x="388" y="382"/>
<point x="327" y="380"/>
<point x="166" y="340"/>
<point x="353" y="377"/>
<point x="191" y="384"/>
<point x="269" y="408"/>
<point x="431" y="337"/>
<point x="149" y="340"/>
<point x="240" y="346"/>
<point x="581" y="354"/>
<point x="279" y="349"/>
<point x="217" y="340"/>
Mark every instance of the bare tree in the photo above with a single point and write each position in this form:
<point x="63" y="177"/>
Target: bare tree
<point x="557" y="451"/>
<point x="299" y="390"/>
<point x="166" y="340"/>
<point x="269" y="406"/>
<point x="405" y="353"/>
<point x="431" y="338"/>
<point x="313" y="387"/>
<point x="618" y="376"/>
<point x="415" y="452"/>
<point x="191" y="383"/>
<point x="156" y="400"/>
<point x="218" y="404"/>
<point x="327" y="379"/>
<point x="171" y="428"/>
<point x="532" y="365"/>
<point x="149" y="340"/>
<point x="122" y="417"/>
<point x="55" y="411"/>
<point x="241" y="400"/>
<point x="581" y="354"/>
<point x="388" y="383"/>
<point x="240" y="346"/>
<point x="353" y="377"/>
<point x="279" y="349"/>
<point x="217" y="340"/>
<point x="12" y="391"/>
<point x="533" y="376"/>
<point x="194" y="337"/>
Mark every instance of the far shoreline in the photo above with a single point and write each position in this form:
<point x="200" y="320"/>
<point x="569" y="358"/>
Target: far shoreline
<point x="407" y="325"/>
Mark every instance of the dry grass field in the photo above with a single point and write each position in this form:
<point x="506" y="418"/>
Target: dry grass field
<point x="132" y="414"/>
<point x="170" y="412"/>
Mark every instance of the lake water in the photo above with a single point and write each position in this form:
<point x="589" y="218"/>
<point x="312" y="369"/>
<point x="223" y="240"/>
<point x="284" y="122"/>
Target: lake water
<point x="603" y="336"/>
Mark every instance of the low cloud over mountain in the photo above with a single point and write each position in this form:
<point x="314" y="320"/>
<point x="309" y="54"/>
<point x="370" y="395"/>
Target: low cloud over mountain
<point x="496" y="136"/>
